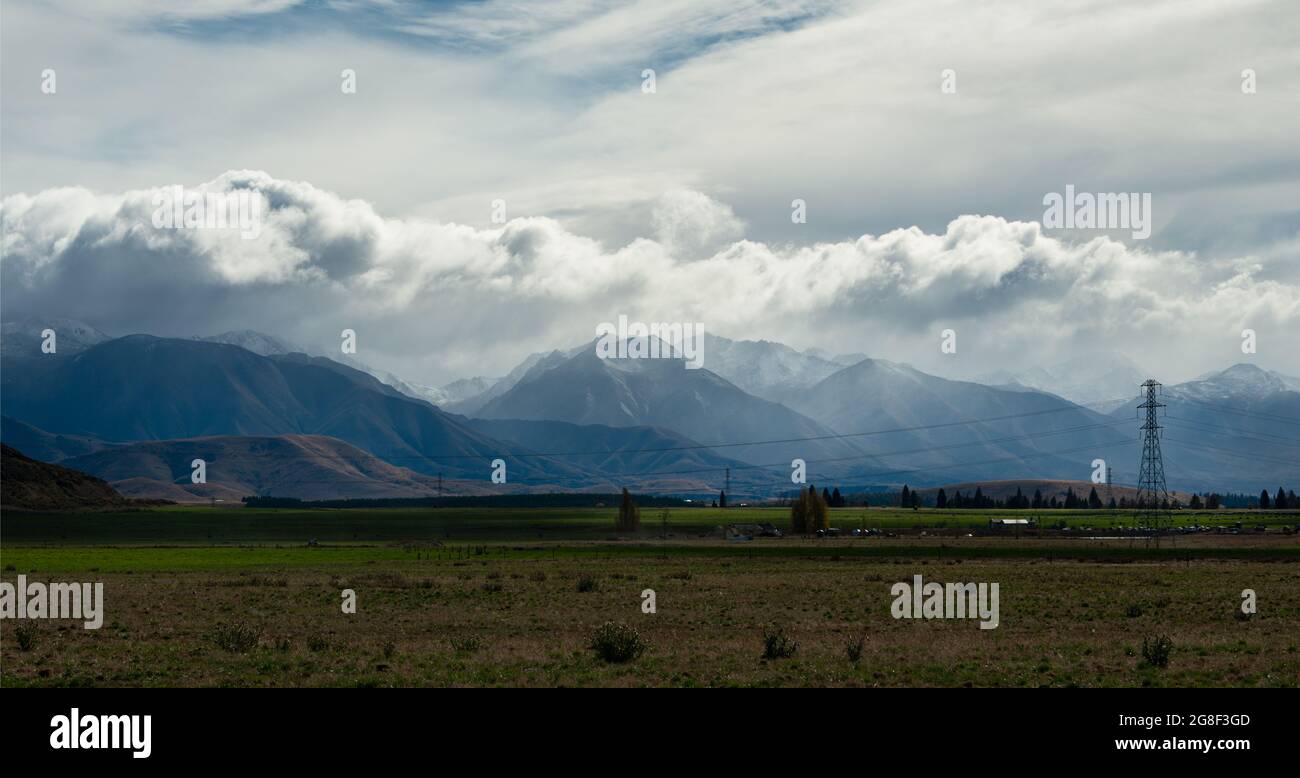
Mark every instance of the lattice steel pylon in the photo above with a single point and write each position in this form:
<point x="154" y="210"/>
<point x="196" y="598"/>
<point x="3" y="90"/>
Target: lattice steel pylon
<point x="1153" y="496"/>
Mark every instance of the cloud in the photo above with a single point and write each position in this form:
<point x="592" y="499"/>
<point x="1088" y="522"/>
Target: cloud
<point x="141" y="10"/>
<point x="690" y="224"/>
<point x="761" y="102"/>
<point x="437" y="300"/>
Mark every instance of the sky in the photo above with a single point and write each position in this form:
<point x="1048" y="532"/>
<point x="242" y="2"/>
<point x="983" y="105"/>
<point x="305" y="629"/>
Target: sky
<point x="921" y="138"/>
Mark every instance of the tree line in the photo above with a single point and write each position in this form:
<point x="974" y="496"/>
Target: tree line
<point x="909" y="498"/>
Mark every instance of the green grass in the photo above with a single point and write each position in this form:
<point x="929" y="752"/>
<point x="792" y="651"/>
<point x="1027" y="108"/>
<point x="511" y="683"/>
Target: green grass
<point x="143" y="559"/>
<point x="235" y="526"/>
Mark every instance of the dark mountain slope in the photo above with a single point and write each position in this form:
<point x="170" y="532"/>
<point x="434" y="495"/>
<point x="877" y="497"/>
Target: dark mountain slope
<point x="26" y="484"/>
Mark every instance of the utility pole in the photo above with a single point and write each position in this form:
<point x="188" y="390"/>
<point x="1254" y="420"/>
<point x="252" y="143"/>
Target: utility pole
<point x="728" y="489"/>
<point x="1152" y="492"/>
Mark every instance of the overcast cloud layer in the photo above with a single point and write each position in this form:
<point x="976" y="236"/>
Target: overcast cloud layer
<point x="665" y="206"/>
<point x="436" y="300"/>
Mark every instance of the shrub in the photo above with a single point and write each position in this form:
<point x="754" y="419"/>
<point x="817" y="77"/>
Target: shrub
<point x="466" y="644"/>
<point x="776" y="644"/>
<point x="537" y="576"/>
<point x="587" y="583"/>
<point x="236" y="638"/>
<point x="25" y="634"/>
<point x="1156" y="650"/>
<point x="853" y="648"/>
<point x="317" y="643"/>
<point x="617" y="642"/>
<point x="389" y="649"/>
<point x="1133" y="611"/>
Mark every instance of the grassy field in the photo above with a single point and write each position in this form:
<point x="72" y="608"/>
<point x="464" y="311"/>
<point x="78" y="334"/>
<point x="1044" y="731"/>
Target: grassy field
<point x="217" y="526"/>
<point x="204" y="597"/>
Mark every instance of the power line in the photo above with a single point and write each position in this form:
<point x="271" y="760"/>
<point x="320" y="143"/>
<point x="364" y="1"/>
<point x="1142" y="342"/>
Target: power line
<point x="395" y="457"/>
<point x="1226" y="409"/>
<point x="925" y="450"/>
<point x="949" y="466"/>
<point x="692" y="447"/>
<point x="876" y="455"/>
<point x="1254" y="437"/>
<point x="1242" y="454"/>
<point x="715" y="470"/>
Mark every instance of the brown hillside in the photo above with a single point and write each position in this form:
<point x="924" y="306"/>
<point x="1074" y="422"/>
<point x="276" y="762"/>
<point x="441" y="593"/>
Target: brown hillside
<point x="306" y="467"/>
<point x="26" y="484"/>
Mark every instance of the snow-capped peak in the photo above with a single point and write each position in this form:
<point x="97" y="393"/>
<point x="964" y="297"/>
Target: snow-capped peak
<point x="1239" y="381"/>
<point x="257" y="342"/>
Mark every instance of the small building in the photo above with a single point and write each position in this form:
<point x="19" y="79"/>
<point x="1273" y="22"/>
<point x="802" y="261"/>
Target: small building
<point x="1011" y="523"/>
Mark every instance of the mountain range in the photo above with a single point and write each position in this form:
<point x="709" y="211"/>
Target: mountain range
<point x="132" y="409"/>
<point x="583" y="388"/>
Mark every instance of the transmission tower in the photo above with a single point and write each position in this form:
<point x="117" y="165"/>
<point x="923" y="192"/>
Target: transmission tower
<point x="1153" y="496"/>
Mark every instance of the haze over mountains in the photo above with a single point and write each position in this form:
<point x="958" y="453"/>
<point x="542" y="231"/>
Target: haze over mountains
<point x="1099" y="381"/>
<point x="136" y="409"/>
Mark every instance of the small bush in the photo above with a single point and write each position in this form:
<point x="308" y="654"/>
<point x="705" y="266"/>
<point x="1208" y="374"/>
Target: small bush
<point x="587" y="583"/>
<point x="389" y="649"/>
<point x="465" y="644"/>
<point x="537" y="576"/>
<point x="25" y="634"/>
<point x="1156" y="650"/>
<point x="853" y="648"/>
<point x="617" y="643"/>
<point x="492" y="586"/>
<point x="317" y="643"/>
<point x="236" y="638"/>
<point x="1133" y="611"/>
<point x="776" y="644"/>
